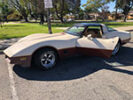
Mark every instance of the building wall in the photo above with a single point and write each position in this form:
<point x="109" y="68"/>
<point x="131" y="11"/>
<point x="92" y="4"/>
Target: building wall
<point x="130" y="16"/>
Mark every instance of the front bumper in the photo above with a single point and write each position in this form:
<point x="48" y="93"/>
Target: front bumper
<point x="24" y="61"/>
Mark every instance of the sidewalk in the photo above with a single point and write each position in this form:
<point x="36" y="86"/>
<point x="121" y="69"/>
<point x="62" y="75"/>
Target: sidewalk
<point x="129" y="28"/>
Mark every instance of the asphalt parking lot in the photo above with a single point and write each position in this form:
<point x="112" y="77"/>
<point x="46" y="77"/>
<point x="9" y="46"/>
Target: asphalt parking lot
<point x="78" y="78"/>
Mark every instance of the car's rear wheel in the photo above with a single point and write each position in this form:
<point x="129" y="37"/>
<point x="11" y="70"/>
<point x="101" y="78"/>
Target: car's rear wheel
<point x="45" y="58"/>
<point x="116" y="49"/>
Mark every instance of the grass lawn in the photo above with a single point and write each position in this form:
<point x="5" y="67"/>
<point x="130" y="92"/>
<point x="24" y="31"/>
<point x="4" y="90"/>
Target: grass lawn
<point x="24" y="29"/>
<point x="118" y="24"/>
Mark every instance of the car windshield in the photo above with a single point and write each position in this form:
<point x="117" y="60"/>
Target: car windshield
<point x="75" y="30"/>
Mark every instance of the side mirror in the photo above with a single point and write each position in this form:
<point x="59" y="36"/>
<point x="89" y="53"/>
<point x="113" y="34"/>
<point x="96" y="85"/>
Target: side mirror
<point x="89" y="36"/>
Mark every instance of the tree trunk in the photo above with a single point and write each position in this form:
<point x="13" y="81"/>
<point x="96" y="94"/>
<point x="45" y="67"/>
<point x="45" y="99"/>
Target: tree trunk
<point x="5" y="19"/>
<point x="41" y="19"/>
<point x="62" y="10"/>
<point x="61" y="19"/>
<point x="125" y="18"/>
<point x="1" y="24"/>
<point x="116" y="12"/>
<point x="25" y="18"/>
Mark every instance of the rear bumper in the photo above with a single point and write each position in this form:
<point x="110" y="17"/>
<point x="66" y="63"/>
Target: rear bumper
<point x="24" y="61"/>
<point x="125" y="41"/>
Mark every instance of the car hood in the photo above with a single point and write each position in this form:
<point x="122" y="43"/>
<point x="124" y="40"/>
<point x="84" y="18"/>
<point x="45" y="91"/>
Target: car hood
<point x="33" y="42"/>
<point x="40" y="37"/>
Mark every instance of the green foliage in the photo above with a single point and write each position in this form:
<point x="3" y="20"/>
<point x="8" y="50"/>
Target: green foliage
<point x="22" y="6"/>
<point x="4" y="11"/>
<point x="125" y="5"/>
<point x="61" y="8"/>
<point x="35" y="8"/>
<point x="81" y="13"/>
<point x="4" y="8"/>
<point x="14" y="16"/>
<point x="94" y="5"/>
<point x="118" y="24"/>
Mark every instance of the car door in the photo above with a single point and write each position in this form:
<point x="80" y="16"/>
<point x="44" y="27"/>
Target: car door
<point x="96" y="46"/>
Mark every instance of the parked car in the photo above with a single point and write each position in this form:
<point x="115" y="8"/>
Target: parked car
<point x="44" y="50"/>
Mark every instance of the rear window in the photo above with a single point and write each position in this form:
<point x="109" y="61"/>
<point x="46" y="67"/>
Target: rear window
<point x="94" y="27"/>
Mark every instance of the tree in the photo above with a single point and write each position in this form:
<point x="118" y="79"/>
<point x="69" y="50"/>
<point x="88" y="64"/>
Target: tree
<point x="104" y="13"/>
<point x="41" y="11"/>
<point x="34" y="9"/>
<point x="22" y="6"/>
<point x="95" y="6"/>
<point x="4" y="10"/>
<point x="81" y="14"/>
<point x="38" y="10"/>
<point x="117" y="5"/>
<point x="126" y="7"/>
<point x="61" y="8"/>
<point x="75" y="8"/>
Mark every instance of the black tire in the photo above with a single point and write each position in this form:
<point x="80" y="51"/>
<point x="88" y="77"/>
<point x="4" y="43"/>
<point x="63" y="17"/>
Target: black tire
<point x="116" y="49"/>
<point x="41" y="58"/>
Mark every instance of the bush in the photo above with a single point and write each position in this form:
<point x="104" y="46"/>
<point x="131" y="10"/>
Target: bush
<point x="14" y="17"/>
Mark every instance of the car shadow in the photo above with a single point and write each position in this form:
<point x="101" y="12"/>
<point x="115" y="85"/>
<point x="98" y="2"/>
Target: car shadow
<point x="78" y="67"/>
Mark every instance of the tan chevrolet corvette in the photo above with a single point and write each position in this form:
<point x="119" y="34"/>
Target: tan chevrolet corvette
<point x="44" y="50"/>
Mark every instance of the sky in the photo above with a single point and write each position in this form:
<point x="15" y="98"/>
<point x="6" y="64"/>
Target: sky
<point x="111" y="5"/>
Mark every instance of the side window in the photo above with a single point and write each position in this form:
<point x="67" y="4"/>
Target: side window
<point x="95" y="31"/>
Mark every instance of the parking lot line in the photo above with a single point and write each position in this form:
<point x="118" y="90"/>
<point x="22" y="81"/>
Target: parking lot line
<point x="12" y="83"/>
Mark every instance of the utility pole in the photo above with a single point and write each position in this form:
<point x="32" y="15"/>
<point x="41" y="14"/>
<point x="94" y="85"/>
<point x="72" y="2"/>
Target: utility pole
<point x="48" y="5"/>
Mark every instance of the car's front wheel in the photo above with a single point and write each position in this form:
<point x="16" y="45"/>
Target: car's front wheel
<point x="116" y="49"/>
<point x="45" y="59"/>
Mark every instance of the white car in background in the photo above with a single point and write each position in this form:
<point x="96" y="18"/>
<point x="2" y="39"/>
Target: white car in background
<point x="44" y="50"/>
